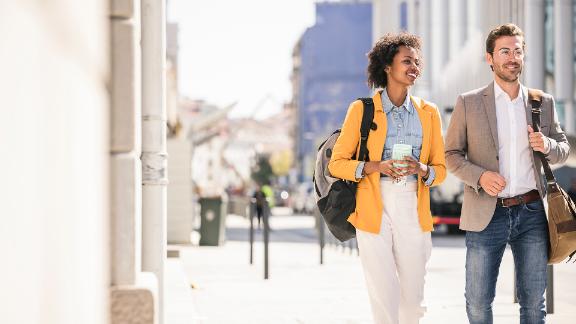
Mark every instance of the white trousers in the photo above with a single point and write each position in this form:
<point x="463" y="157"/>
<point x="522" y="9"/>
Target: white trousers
<point x="394" y="261"/>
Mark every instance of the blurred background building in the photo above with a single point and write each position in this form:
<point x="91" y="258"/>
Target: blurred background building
<point x="329" y="73"/>
<point x="454" y="34"/>
<point x="330" y="62"/>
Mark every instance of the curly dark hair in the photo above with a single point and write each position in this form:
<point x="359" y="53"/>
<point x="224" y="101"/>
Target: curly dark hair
<point x="382" y="55"/>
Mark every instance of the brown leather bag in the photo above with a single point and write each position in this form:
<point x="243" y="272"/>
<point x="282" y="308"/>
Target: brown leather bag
<point x="561" y="209"/>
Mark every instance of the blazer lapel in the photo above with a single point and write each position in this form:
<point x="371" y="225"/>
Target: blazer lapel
<point x="379" y="137"/>
<point x="426" y="121"/>
<point x="490" y="107"/>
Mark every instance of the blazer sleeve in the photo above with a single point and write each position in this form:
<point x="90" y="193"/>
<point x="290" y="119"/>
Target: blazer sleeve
<point x="341" y="164"/>
<point x="456" y="148"/>
<point x="437" y="157"/>
<point x="559" y="146"/>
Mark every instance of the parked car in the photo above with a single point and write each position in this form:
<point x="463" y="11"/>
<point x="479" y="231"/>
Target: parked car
<point x="303" y="201"/>
<point x="282" y="197"/>
<point x="446" y="204"/>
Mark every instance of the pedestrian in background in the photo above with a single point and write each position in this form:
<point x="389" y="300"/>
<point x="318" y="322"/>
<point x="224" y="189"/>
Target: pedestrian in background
<point x="490" y="146"/>
<point x="269" y="194"/>
<point x="392" y="218"/>
<point x="260" y="200"/>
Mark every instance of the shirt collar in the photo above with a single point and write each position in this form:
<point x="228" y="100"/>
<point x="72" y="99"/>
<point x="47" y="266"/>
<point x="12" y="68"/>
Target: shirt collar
<point x="388" y="105"/>
<point x="498" y="92"/>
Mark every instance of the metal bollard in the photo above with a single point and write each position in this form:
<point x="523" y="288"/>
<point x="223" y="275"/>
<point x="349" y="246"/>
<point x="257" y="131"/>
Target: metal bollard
<point x="550" y="290"/>
<point x="251" y="211"/>
<point x="266" y="214"/>
<point x="321" y="233"/>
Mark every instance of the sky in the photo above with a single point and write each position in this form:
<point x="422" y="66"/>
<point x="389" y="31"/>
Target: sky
<point x="239" y="51"/>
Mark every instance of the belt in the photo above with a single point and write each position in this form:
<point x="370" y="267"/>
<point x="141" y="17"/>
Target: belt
<point x="528" y="197"/>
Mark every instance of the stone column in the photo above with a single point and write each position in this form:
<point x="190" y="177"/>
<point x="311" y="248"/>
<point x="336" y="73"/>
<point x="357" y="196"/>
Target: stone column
<point x="564" y="60"/>
<point x="424" y="30"/>
<point x="534" y="32"/>
<point x="385" y="17"/>
<point x="133" y="293"/>
<point x="439" y="37"/>
<point x="458" y="27"/>
<point x="154" y="157"/>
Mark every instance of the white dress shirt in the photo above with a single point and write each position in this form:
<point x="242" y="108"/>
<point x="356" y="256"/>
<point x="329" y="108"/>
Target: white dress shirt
<point x="514" y="149"/>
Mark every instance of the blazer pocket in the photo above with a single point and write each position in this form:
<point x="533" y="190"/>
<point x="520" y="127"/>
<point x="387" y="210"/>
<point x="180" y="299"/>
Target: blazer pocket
<point x="470" y="189"/>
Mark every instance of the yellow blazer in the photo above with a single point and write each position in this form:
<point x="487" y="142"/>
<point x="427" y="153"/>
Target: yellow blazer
<point x="368" y="213"/>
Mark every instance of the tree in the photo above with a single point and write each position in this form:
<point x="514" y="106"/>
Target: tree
<point x="281" y="162"/>
<point x="262" y="171"/>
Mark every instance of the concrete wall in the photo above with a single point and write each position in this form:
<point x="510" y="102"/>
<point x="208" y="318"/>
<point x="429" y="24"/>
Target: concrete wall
<point x="54" y="223"/>
<point x="180" y="194"/>
<point x="126" y="141"/>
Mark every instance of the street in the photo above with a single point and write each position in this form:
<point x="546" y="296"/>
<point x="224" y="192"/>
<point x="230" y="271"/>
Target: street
<point x="227" y="289"/>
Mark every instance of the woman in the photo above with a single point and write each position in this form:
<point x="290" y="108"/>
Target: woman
<point x="392" y="217"/>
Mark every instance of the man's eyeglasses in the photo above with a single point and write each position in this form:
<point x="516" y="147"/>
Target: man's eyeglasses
<point x="506" y="53"/>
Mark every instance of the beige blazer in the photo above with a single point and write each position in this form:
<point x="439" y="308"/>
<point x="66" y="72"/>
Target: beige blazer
<point x="472" y="148"/>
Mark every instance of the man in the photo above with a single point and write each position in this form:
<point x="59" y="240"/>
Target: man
<point x="491" y="147"/>
<point x="260" y="200"/>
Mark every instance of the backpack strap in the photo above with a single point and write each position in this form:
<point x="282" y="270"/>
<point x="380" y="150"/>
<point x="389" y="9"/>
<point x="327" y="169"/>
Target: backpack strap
<point x="535" y="99"/>
<point x="367" y="118"/>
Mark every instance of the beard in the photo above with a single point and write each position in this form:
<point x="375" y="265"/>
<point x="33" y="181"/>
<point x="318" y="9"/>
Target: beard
<point x="506" y="75"/>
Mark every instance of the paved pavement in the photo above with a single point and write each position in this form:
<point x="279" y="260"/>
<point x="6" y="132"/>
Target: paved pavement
<point x="227" y="289"/>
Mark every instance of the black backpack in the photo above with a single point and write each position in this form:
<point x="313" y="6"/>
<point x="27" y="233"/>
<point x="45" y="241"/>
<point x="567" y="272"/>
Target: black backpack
<point x="336" y="198"/>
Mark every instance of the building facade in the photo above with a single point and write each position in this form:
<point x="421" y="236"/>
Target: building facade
<point x="55" y="140"/>
<point x="83" y="236"/>
<point x="454" y="33"/>
<point x="330" y="63"/>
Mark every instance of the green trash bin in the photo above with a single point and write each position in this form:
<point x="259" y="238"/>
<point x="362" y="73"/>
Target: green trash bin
<point x="212" y="221"/>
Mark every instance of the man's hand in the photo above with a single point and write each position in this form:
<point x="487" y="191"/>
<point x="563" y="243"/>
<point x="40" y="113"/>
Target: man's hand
<point x="492" y="183"/>
<point x="538" y="142"/>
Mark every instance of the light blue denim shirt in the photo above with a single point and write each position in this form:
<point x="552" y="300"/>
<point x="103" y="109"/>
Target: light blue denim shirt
<point x="404" y="127"/>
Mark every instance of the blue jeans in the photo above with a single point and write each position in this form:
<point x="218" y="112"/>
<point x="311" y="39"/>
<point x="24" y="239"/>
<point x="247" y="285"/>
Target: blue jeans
<point x="525" y="228"/>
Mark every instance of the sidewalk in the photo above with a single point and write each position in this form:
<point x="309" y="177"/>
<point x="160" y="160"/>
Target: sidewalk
<point x="300" y="290"/>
